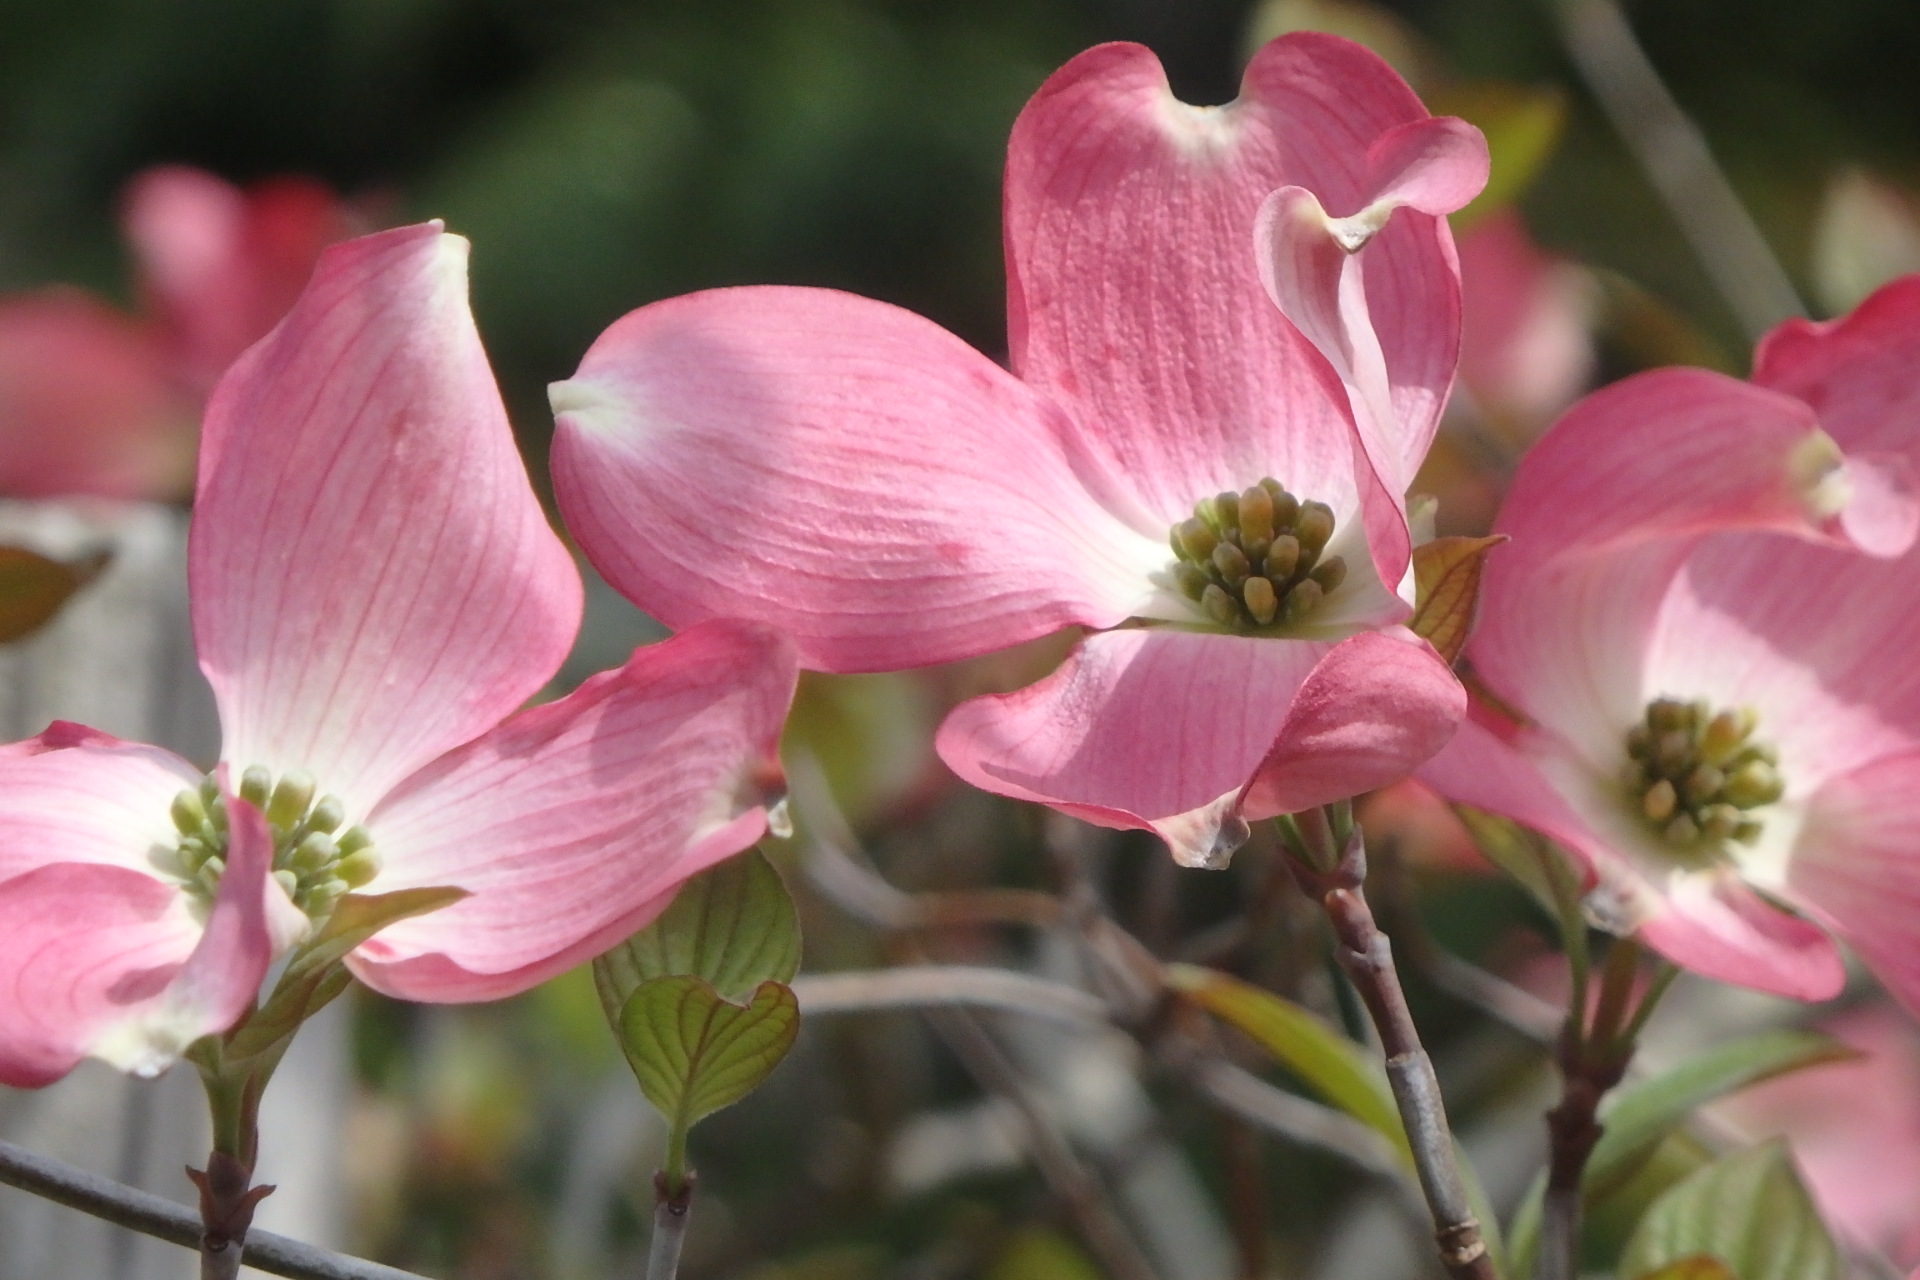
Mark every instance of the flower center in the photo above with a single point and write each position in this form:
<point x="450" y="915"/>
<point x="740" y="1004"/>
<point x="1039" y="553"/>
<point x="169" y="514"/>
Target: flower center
<point x="1697" y="775"/>
<point x="314" y="866"/>
<point x="1252" y="559"/>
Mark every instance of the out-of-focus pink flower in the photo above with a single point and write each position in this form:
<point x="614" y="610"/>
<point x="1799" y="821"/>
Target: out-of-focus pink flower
<point x="1526" y="342"/>
<point x="375" y="591"/>
<point x="891" y="498"/>
<point x="93" y="401"/>
<point x="1703" y="618"/>
<point x="1855" y="1130"/>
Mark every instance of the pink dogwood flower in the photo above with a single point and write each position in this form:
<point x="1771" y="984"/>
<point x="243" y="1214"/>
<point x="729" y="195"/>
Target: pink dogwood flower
<point x="1702" y="625"/>
<point x="375" y="592"/>
<point x="96" y="401"/>
<point x="1215" y="488"/>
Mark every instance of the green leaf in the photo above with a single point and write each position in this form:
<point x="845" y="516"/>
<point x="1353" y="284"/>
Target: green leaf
<point x="695" y="1052"/>
<point x="1446" y="584"/>
<point x="1321" y="1058"/>
<point x="1640" y="1115"/>
<point x="1698" y="1267"/>
<point x="1522" y="125"/>
<point x="315" y="975"/>
<point x="1750" y="1211"/>
<point x="33" y="587"/>
<point x="733" y="925"/>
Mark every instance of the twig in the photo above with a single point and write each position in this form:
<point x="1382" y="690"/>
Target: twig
<point x="1671" y="149"/>
<point x="671" y="1210"/>
<point x="1367" y="958"/>
<point x="1080" y="1192"/>
<point x="923" y="986"/>
<point x="164" y="1220"/>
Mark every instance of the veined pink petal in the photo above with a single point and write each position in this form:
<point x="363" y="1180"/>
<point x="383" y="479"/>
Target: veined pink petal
<point x="839" y="468"/>
<point x="1803" y="634"/>
<point x="75" y="795"/>
<point x="373" y="579"/>
<point x="1607" y="508"/>
<point x="1135" y="299"/>
<point x="107" y="961"/>
<point x="572" y="823"/>
<point x="85" y="403"/>
<point x="1177" y="732"/>
<point x="221" y="265"/>
<point x="1856" y="372"/>
<point x="1855" y="863"/>
<point x="1375" y="708"/>
<point x="81" y="946"/>
<point x="1713" y="924"/>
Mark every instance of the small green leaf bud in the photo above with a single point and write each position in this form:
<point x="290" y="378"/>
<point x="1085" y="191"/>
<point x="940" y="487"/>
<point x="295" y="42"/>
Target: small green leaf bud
<point x="315" y="850"/>
<point x="188" y="813"/>
<point x="1330" y="573"/>
<point x="1283" y="557"/>
<point x="1262" y="601"/>
<point x="1303" y="600"/>
<point x="1314" y="525"/>
<point x="1191" y="579"/>
<point x="290" y="799"/>
<point x="1683" y="830"/>
<point x="1256" y="516"/>
<point x="1754" y="784"/>
<point x="1197" y="541"/>
<point x="360" y="869"/>
<point x="328" y="814"/>
<point x="1704" y="783"/>
<point x="1719" y="821"/>
<point x="255" y="785"/>
<point x="1232" y="564"/>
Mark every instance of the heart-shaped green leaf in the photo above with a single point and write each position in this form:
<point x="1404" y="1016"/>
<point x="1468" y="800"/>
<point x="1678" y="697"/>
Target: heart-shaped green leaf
<point x="1446" y="585"/>
<point x="33" y="587"/>
<point x="695" y="1052"/>
<point x="1750" y="1211"/>
<point x="733" y="925"/>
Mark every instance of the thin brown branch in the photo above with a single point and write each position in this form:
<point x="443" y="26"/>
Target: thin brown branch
<point x="152" y="1215"/>
<point x="936" y="985"/>
<point x="1367" y="957"/>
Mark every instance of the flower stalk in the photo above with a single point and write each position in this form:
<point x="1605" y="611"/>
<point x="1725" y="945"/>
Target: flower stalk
<point x="1330" y="864"/>
<point x="672" y="1206"/>
<point x="1593" y="1054"/>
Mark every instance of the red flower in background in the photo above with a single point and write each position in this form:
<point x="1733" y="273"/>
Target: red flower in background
<point x="96" y="401"/>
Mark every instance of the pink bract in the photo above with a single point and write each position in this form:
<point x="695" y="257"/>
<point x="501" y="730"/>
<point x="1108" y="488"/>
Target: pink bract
<point x="93" y="401"/>
<point x="1688" y="536"/>
<point x="1198" y="297"/>
<point x="375" y="593"/>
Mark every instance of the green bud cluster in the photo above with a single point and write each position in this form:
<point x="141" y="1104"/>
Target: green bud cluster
<point x="313" y="864"/>
<point x="1696" y="775"/>
<point x="1253" y="559"/>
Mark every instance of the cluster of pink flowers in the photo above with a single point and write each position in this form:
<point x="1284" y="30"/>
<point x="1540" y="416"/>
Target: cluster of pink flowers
<point x="1233" y="332"/>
